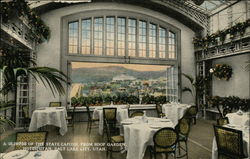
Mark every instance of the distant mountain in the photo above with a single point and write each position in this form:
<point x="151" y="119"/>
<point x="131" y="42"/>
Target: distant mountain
<point x="102" y="74"/>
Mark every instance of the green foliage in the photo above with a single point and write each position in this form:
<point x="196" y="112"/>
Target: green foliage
<point x="20" y="8"/>
<point x="214" y="38"/>
<point x="222" y="71"/>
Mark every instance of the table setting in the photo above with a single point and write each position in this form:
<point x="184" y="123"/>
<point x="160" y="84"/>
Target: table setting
<point x="175" y="111"/>
<point x="49" y="116"/>
<point x="25" y="154"/>
<point x="138" y="133"/>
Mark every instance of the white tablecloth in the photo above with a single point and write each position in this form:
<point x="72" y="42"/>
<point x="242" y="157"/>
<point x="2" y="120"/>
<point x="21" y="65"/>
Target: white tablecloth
<point x="49" y="116"/>
<point x="174" y="112"/>
<point x="236" y="119"/>
<point x="139" y="135"/>
<point x="245" y="131"/>
<point x="121" y="114"/>
<point x="52" y="154"/>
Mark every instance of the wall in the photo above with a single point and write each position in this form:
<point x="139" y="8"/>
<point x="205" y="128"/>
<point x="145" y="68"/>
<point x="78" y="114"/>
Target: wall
<point x="239" y="83"/>
<point x="49" y="52"/>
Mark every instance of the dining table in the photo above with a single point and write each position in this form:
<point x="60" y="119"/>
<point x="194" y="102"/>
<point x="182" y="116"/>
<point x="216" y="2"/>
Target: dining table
<point x="138" y="134"/>
<point x="174" y="111"/>
<point x="49" y="116"/>
<point x="239" y="118"/>
<point x="121" y="114"/>
<point x="50" y="154"/>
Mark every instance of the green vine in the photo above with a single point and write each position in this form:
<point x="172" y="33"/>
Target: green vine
<point x="20" y="8"/>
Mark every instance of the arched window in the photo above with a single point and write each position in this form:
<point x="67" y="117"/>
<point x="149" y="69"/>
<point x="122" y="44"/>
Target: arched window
<point x="120" y="36"/>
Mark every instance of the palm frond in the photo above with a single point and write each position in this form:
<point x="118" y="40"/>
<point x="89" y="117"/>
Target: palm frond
<point x="186" y="89"/>
<point x="190" y="78"/>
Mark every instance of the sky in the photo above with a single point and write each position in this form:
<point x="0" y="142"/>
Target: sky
<point x="135" y="67"/>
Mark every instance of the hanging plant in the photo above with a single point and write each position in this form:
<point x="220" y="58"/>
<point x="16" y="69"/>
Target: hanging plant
<point x="222" y="71"/>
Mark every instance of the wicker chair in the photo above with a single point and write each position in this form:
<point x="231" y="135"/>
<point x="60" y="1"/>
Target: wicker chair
<point x="109" y="114"/>
<point x="183" y="129"/>
<point x="26" y="116"/>
<point x="159" y="111"/>
<point x="229" y="142"/>
<point x="165" y="140"/>
<point x="191" y="114"/>
<point x="54" y="104"/>
<point x="136" y="113"/>
<point x="90" y="120"/>
<point x="222" y="121"/>
<point x="35" y="140"/>
<point x="112" y="139"/>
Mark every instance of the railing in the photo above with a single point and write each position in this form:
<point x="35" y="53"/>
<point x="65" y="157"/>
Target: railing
<point x="239" y="45"/>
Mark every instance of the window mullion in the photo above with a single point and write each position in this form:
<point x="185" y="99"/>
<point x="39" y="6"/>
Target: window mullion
<point x="137" y="39"/>
<point x="147" y="40"/>
<point x="104" y="33"/>
<point x="80" y="36"/>
<point x="157" y="42"/>
<point x="116" y="37"/>
<point x="167" y="44"/>
<point x="126" y="38"/>
<point x="92" y="36"/>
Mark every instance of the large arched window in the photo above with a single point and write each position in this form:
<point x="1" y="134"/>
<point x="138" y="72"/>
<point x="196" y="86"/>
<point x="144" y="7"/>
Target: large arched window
<point x="120" y="36"/>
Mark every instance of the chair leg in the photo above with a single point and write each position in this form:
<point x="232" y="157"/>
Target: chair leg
<point x="179" y="148"/>
<point x="186" y="149"/>
<point x="155" y="155"/>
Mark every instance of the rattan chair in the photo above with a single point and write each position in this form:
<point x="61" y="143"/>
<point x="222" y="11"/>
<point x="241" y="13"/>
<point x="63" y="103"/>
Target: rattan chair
<point x="191" y="113"/>
<point x="55" y="104"/>
<point x="165" y="141"/>
<point x="159" y="111"/>
<point x="26" y="116"/>
<point x="112" y="139"/>
<point x="109" y="114"/>
<point x="229" y="142"/>
<point x="183" y="129"/>
<point x="136" y="113"/>
<point x="33" y="140"/>
<point x="222" y="121"/>
<point x="90" y="120"/>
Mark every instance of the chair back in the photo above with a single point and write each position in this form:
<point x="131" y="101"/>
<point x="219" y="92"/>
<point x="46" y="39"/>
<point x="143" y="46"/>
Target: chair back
<point x="54" y="104"/>
<point x="183" y="126"/>
<point x="159" y="109"/>
<point x="192" y="111"/>
<point x="229" y="142"/>
<point x="222" y="121"/>
<point x="33" y="139"/>
<point x="26" y="112"/>
<point x="136" y="113"/>
<point x="109" y="114"/>
<point x="165" y="138"/>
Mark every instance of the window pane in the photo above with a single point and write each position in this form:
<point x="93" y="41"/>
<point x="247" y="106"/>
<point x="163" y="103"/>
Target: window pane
<point x="142" y="38"/>
<point x="152" y="40"/>
<point x="171" y="45"/>
<point x="86" y="36"/>
<point x="131" y="37"/>
<point x="110" y="36"/>
<point x="162" y="42"/>
<point x="73" y="38"/>
<point x="121" y="24"/>
<point x="98" y="39"/>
